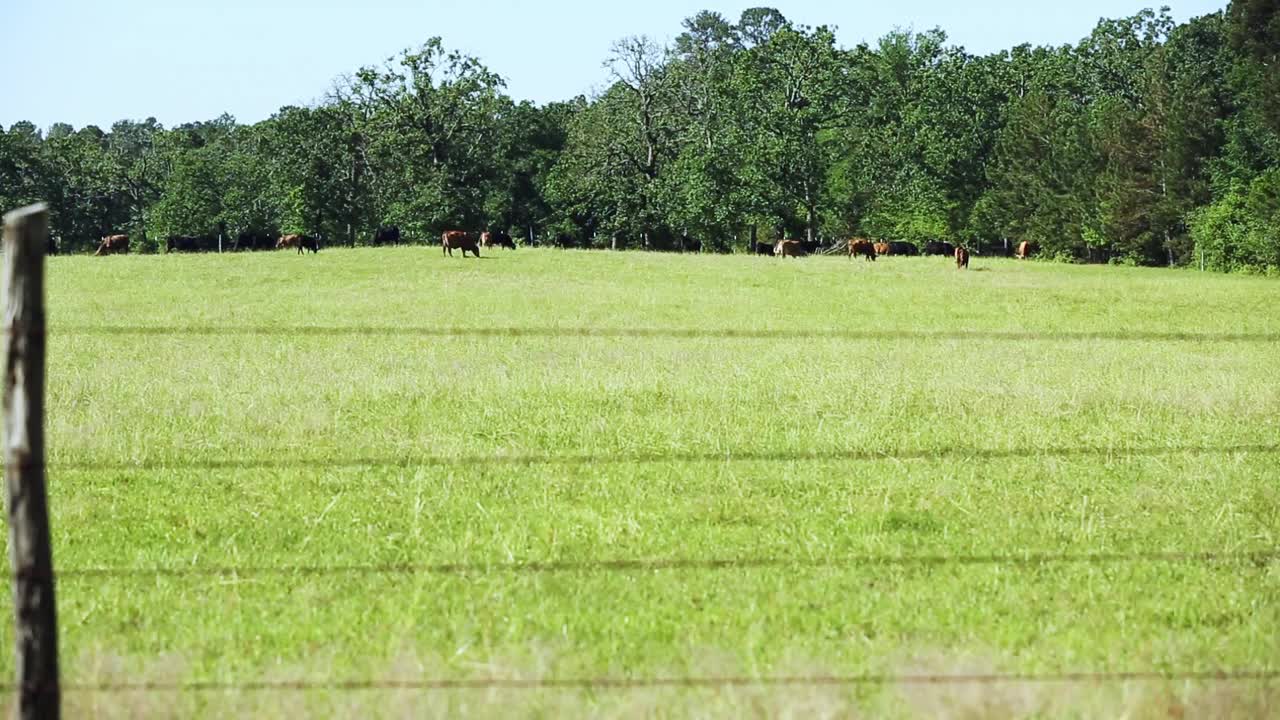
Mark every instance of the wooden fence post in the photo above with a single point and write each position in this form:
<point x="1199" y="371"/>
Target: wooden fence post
<point x="35" y="614"/>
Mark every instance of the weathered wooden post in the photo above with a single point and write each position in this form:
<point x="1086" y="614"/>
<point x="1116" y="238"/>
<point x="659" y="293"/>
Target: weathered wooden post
<point x="35" y="614"/>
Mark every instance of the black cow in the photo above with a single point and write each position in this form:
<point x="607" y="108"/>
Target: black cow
<point x="255" y="240"/>
<point x="497" y="238"/>
<point x="389" y="235"/>
<point x="903" y="248"/>
<point x="764" y="249"/>
<point x="301" y="242"/>
<point x="938" y="247"/>
<point x="180" y="243"/>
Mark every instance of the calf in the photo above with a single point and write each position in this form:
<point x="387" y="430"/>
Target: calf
<point x="962" y="259"/>
<point x="862" y="247"/>
<point x="461" y="240"/>
<point x="113" y="244"/>
<point x="302" y="242"/>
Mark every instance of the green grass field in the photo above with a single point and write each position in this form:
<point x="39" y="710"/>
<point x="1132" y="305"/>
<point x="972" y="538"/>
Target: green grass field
<point x="364" y="407"/>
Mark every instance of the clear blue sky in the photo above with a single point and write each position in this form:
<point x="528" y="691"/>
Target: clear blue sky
<point x="97" y="61"/>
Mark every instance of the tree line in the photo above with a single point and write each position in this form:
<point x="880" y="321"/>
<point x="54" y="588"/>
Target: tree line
<point x="1147" y="142"/>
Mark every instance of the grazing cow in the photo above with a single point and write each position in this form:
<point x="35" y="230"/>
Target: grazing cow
<point x="962" y="259"/>
<point x="387" y="235"/>
<point x="862" y="247"/>
<point x="811" y="246"/>
<point x="1025" y="249"/>
<point x="882" y="248"/>
<point x="789" y="248"/>
<point x="938" y="247"/>
<point x="764" y="249"/>
<point x="688" y="244"/>
<point x="461" y="240"/>
<point x="302" y="242"/>
<point x="253" y="240"/>
<point x="112" y="244"/>
<point x="179" y="243"/>
<point x="499" y="238"/>
<point x="903" y="248"/>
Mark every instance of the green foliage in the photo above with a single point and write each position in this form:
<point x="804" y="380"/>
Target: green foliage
<point x="1108" y="149"/>
<point x="1241" y="231"/>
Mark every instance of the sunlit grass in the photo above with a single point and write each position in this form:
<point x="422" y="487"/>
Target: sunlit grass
<point x="545" y="406"/>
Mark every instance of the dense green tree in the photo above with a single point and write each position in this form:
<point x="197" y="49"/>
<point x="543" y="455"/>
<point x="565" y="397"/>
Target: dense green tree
<point x="428" y="127"/>
<point x="1145" y="142"/>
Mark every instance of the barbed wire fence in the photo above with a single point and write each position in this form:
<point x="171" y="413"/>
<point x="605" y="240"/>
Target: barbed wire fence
<point x="680" y="682"/>
<point x="38" y="684"/>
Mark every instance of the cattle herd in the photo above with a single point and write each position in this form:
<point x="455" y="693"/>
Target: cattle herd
<point x="859" y="247"/>
<point x="871" y="250"/>
<point x="471" y="242"/>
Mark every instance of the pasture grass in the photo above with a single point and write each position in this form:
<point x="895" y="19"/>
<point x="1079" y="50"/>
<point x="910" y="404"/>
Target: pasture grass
<point x="393" y="406"/>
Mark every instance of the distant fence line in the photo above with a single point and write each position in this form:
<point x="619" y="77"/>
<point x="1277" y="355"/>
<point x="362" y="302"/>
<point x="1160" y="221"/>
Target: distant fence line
<point x="674" y="333"/>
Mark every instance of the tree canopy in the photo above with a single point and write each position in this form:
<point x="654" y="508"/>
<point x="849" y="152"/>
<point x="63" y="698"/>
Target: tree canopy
<point x="1147" y="142"/>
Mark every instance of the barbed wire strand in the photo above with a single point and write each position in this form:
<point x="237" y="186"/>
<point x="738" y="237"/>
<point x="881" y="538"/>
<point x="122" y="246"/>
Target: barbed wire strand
<point x="958" y="452"/>
<point x="620" y="683"/>
<point x="687" y="333"/>
<point x="1255" y="557"/>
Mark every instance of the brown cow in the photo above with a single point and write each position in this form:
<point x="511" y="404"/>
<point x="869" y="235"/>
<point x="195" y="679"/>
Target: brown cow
<point x="461" y="240"/>
<point x="862" y="247"/>
<point x="789" y="248"/>
<point x="962" y="259"/>
<point x="1025" y="249"/>
<point x="882" y="248"/>
<point x="302" y="242"/>
<point x="113" y="244"/>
